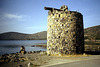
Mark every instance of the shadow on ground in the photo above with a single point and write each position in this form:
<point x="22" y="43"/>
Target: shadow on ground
<point x="92" y="52"/>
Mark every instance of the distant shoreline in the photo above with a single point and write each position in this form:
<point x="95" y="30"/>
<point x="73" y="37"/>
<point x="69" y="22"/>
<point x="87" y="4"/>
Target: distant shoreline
<point x="13" y="46"/>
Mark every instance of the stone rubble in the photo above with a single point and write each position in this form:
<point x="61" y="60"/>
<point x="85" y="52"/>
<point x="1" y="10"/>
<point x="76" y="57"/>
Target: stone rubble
<point x="16" y="57"/>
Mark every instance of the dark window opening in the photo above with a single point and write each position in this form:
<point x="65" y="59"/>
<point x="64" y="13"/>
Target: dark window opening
<point x="66" y="31"/>
<point x="71" y="19"/>
<point x="59" y="15"/>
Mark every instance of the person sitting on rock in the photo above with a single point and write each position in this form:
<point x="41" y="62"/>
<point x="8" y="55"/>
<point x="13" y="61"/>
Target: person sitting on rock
<point x="22" y="50"/>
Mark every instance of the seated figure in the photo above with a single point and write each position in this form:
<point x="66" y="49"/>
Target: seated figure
<point x="22" y="50"/>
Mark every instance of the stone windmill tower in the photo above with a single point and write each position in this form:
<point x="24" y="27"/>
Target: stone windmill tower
<point x="65" y="34"/>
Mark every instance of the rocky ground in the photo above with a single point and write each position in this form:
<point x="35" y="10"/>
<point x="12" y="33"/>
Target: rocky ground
<point x="34" y="59"/>
<point x="40" y="59"/>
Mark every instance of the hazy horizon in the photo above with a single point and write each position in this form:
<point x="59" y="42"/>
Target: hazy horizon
<point x="33" y="33"/>
<point x="20" y="32"/>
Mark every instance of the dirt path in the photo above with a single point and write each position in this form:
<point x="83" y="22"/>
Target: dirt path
<point x="63" y="60"/>
<point x="85" y="63"/>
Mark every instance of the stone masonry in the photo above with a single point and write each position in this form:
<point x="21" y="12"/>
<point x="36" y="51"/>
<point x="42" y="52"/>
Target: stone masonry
<point x="65" y="34"/>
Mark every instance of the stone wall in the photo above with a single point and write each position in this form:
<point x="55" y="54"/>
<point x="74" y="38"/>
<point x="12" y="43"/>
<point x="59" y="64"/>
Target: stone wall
<point x="65" y="34"/>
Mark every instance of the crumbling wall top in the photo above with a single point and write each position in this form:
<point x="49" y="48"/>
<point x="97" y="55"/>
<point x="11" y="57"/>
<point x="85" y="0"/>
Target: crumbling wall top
<point x="64" y="8"/>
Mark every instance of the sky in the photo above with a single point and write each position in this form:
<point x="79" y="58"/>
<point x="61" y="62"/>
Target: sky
<point x="29" y="16"/>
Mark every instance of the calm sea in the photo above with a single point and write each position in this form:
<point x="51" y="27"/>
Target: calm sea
<point x="13" y="46"/>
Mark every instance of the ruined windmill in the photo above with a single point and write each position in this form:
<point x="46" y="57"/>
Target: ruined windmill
<point x="65" y="34"/>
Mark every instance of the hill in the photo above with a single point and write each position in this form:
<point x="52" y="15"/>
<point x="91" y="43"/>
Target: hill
<point x="21" y="36"/>
<point x="92" y="32"/>
<point x="89" y="33"/>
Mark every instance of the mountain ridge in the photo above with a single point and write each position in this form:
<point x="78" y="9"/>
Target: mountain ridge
<point x="91" y="32"/>
<point x="22" y="36"/>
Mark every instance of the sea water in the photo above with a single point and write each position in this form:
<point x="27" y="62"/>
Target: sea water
<point x="13" y="46"/>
